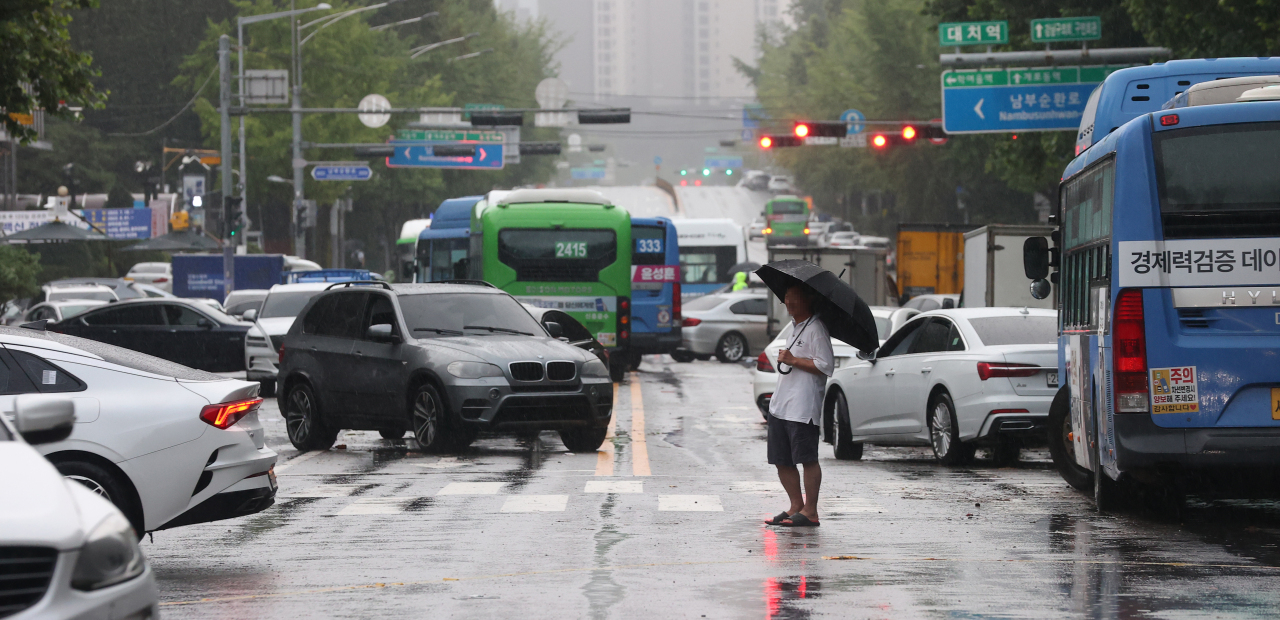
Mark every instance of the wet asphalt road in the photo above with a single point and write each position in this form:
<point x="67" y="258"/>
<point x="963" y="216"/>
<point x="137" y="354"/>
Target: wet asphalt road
<point x="666" y="523"/>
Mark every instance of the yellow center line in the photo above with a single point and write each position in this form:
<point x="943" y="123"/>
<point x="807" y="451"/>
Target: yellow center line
<point x="606" y="454"/>
<point x="639" y="450"/>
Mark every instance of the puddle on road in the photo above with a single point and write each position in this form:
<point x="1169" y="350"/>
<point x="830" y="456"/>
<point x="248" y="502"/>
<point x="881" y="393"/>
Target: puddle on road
<point x="601" y="590"/>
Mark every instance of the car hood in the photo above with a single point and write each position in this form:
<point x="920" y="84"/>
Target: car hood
<point x="503" y="348"/>
<point x="276" y="325"/>
<point x="38" y="506"/>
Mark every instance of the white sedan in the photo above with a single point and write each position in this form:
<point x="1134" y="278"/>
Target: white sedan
<point x="765" y="378"/>
<point x="950" y="379"/>
<point x="64" y="551"/>
<point x="167" y="444"/>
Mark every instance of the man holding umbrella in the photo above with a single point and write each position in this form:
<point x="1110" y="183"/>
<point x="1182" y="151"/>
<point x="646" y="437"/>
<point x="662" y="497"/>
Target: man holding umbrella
<point x="821" y="307"/>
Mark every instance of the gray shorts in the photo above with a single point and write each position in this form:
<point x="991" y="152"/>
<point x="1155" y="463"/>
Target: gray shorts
<point x="792" y="443"/>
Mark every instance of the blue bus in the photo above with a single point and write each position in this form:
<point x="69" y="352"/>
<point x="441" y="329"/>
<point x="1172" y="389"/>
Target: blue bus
<point x="655" y="288"/>
<point x="1168" y="273"/>
<point x="444" y="248"/>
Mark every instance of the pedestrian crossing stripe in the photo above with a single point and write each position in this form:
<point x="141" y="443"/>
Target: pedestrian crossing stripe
<point x="535" y="503"/>
<point x="377" y="506"/>
<point x="324" y="490"/>
<point x="471" y="488"/>
<point x="614" y="486"/>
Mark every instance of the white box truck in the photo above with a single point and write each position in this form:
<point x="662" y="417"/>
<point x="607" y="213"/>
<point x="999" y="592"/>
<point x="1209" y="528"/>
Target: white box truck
<point x="993" y="274"/>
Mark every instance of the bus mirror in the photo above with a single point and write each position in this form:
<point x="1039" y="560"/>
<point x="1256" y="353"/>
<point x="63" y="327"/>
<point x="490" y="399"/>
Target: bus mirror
<point x="1035" y="258"/>
<point x="1041" y="288"/>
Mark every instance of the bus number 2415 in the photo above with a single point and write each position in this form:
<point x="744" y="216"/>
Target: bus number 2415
<point x="571" y="249"/>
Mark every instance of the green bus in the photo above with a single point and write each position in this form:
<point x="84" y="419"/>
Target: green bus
<point x="564" y="249"/>
<point x="786" y="221"/>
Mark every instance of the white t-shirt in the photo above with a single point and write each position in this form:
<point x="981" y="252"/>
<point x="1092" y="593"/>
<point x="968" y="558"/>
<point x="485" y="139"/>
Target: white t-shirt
<point x="798" y="396"/>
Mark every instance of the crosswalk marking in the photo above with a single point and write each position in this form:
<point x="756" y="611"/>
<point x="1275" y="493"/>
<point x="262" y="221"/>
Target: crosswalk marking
<point x="322" y="490"/>
<point x="846" y="505"/>
<point x="376" y="506"/>
<point x="753" y="486"/>
<point x="471" y="488"/>
<point x="614" y="486"/>
<point x="535" y="503"/>
<point x="690" y="503"/>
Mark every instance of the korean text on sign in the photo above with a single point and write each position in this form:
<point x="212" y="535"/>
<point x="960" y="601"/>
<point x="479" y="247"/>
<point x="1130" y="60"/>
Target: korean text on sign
<point x="1174" y="390"/>
<point x="656" y="273"/>
<point x="1199" y="262"/>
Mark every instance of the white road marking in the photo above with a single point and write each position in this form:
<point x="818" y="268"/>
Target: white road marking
<point x="690" y="503"/>
<point x="614" y="486"/>
<point x="445" y="462"/>
<point x="323" y="490"/>
<point x="471" y="488"/>
<point x="376" y="506"/>
<point x="846" y="505"/>
<point x="535" y="503"/>
<point x="755" y="486"/>
<point x="297" y="459"/>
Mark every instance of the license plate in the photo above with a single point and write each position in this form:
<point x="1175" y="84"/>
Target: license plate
<point x="1275" y="403"/>
<point x="1052" y="378"/>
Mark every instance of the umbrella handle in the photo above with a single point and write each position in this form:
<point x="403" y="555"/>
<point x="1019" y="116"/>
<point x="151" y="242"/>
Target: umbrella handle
<point x="785" y="372"/>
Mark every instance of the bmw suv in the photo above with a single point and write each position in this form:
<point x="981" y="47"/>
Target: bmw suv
<point x="444" y="361"/>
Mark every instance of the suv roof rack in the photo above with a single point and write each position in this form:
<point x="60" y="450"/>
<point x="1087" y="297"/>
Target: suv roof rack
<point x="359" y="283"/>
<point x="467" y="282"/>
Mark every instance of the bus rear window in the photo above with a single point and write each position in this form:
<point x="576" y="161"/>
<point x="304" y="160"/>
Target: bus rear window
<point x="707" y="265"/>
<point x="1001" y="330"/>
<point x="557" y="255"/>
<point x="788" y="207"/>
<point x="650" y="245"/>
<point x="1219" y="180"/>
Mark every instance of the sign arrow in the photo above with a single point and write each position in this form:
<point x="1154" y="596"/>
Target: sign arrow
<point x="1017" y="78"/>
<point x="978" y="109"/>
<point x="483" y="153"/>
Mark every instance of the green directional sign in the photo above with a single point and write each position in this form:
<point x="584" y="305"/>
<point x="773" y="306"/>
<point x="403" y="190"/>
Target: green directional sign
<point x="1058" y="29"/>
<point x="973" y="33"/>
<point x="468" y="108"/>
<point x="1027" y="77"/>
<point x="450" y="135"/>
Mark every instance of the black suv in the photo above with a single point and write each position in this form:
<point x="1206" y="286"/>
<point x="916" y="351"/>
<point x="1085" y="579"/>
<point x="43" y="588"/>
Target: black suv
<point x="442" y="360"/>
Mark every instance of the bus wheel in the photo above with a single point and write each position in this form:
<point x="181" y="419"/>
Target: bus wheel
<point x="1060" y="447"/>
<point x="617" y="368"/>
<point x="634" y="361"/>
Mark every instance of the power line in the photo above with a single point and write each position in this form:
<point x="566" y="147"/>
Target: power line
<point x="174" y="117"/>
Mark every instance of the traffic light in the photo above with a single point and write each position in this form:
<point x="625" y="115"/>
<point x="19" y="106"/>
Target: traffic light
<point x="684" y="173"/>
<point x="776" y="141"/>
<point x="728" y="172"/>
<point x="234" y="212"/>
<point x="706" y="172"/>
<point x="820" y="129"/>
<point x="907" y="135"/>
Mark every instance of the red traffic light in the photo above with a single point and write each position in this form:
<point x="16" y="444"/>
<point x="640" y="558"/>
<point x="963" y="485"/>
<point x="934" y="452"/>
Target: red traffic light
<point x="879" y="141"/>
<point x="766" y="142"/>
<point x="908" y="132"/>
<point x="802" y="130"/>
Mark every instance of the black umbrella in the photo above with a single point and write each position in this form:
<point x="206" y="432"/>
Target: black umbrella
<point x="847" y="317"/>
<point x="747" y="266"/>
<point x="54" y="232"/>
<point x="179" y="241"/>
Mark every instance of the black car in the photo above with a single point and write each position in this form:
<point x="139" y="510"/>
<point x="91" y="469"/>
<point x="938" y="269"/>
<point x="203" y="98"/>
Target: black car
<point x="179" y="330"/>
<point x="443" y="360"/>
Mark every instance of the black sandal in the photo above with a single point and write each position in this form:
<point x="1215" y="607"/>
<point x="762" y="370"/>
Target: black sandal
<point x="799" y="520"/>
<point x="777" y="520"/>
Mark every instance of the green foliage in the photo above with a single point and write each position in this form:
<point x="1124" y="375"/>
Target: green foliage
<point x="38" y="67"/>
<point x="18" y="273"/>
<point x="119" y="198"/>
<point x="100" y="162"/>
<point x="1219" y="29"/>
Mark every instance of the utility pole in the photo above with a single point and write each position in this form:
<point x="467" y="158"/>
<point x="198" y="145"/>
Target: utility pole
<point x="300" y="235"/>
<point x="224" y="103"/>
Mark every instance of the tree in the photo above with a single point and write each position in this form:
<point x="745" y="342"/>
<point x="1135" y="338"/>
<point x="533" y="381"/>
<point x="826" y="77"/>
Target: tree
<point x="19" y="271"/>
<point x="39" y="69"/>
<point x="1209" y="29"/>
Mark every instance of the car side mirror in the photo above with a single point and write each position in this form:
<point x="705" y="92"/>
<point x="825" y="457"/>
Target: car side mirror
<point x="382" y="332"/>
<point x="867" y="356"/>
<point x="1040" y="289"/>
<point x="44" y="418"/>
<point x="1035" y="258"/>
<point x="554" y="329"/>
<point x="250" y="315"/>
<point x="204" y="323"/>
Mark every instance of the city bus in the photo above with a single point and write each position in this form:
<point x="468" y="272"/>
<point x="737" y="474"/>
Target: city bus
<point x="786" y="221"/>
<point x="655" y="288"/>
<point x="1169" y="291"/>
<point x="407" y="248"/>
<point x="444" y="249"/>
<point x="709" y="248"/>
<point x="563" y="249"/>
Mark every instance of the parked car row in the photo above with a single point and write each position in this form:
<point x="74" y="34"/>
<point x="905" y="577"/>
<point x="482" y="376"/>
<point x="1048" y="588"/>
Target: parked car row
<point x="954" y="380"/>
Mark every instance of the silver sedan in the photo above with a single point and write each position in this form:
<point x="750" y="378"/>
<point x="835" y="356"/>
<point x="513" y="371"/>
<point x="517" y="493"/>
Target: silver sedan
<point x="730" y="326"/>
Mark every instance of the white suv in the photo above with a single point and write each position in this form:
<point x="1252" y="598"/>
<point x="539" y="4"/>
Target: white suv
<point x="270" y="324"/>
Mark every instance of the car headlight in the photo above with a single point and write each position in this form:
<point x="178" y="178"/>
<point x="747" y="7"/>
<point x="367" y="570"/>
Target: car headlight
<point x="474" y="370"/>
<point x="109" y="556"/>
<point x="595" y="369"/>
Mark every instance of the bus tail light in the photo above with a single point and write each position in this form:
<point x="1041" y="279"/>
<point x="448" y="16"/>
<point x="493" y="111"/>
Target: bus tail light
<point x="988" y="370"/>
<point x="676" y="307"/>
<point x="1129" y="353"/>
<point x="763" y="365"/>
<point x="624" y="320"/>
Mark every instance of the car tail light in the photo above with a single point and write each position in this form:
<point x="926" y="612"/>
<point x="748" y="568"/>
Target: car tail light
<point x="691" y="322"/>
<point x="160" y="280"/>
<point x="763" y="365"/>
<point x="1129" y="353"/>
<point x="988" y="370"/>
<point x="677" y="307"/>
<point x="223" y="415"/>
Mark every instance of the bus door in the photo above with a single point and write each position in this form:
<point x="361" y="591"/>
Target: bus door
<point x="655" y="285"/>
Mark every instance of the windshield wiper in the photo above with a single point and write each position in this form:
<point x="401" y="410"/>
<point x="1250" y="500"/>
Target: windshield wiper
<point x="437" y="330"/>
<point x="505" y="330"/>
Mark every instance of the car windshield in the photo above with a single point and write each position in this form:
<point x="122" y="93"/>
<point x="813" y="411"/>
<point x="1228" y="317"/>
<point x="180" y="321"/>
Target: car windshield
<point x="1001" y="330"/>
<point x="285" y="303"/>
<point x="71" y="310"/>
<point x="789" y="207"/>
<point x="95" y="294"/>
<point x="473" y="314"/>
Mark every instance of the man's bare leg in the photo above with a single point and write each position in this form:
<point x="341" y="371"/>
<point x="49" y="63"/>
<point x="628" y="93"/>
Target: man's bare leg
<point x="812" y="484"/>
<point x="789" y="476"/>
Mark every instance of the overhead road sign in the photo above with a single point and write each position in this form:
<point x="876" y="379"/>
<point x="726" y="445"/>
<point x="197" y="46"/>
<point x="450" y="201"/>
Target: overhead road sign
<point x="973" y="33"/>
<point x="1118" y="55"/>
<point x="752" y="114"/>
<point x="856" y="121"/>
<point x="342" y="171"/>
<point x="1059" y="29"/>
<point x="450" y="135"/>
<point x="1021" y="77"/>
<point x="422" y="155"/>
<point x="583" y="174"/>
<point x="374" y="103"/>
<point x="722" y="162"/>
<point x="996" y="109"/>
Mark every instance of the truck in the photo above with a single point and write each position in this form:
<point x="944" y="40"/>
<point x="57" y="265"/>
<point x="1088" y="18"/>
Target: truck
<point x="862" y="268"/>
<point x="993" y="274"/>
<point x="200" y="275"/>
<point x="930" y="259"/>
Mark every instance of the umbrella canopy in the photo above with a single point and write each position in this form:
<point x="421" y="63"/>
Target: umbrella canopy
<point x="748" y="267"/>
<point x="847" y="316"/>
<point x="53" y="232"/>
<point x="180" y="241"/>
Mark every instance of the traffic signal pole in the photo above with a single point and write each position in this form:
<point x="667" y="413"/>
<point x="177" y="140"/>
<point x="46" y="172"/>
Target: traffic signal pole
<point x="224" y="103"/>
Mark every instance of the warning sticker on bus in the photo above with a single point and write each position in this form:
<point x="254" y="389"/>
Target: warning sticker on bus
<point x="1174" y="390"/>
